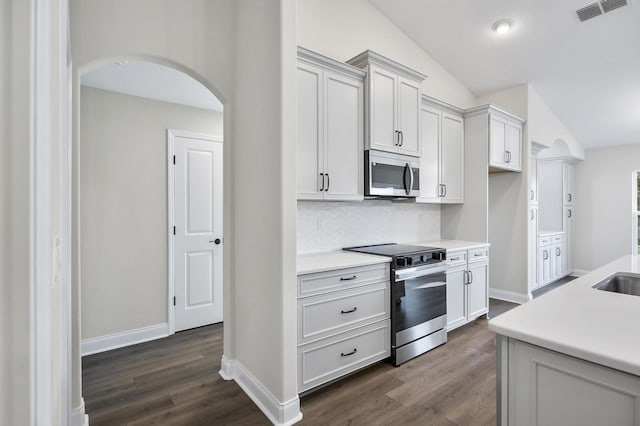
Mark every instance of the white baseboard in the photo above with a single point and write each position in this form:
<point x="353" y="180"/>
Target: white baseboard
<point x="126" y="338"/>
<point x="509" y="296"/>
<point x="279" y="413"/>
<point x="79" y="416"/>
<point x="579" y="272"/>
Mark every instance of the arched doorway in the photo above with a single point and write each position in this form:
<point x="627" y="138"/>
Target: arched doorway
<point x="124" y="109"/>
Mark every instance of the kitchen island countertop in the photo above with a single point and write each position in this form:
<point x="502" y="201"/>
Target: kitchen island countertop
<point x="578" y="320"/>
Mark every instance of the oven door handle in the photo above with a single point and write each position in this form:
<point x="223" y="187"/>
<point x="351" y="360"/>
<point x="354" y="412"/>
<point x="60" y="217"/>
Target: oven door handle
<point x="419" y="271"/>
<point x="431" y="285"/>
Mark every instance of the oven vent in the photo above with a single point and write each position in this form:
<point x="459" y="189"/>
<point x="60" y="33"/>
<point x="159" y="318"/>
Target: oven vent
<point x="598" y="8"/>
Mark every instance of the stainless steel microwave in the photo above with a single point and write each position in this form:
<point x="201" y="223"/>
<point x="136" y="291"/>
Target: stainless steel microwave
<point x="391" y="175"/>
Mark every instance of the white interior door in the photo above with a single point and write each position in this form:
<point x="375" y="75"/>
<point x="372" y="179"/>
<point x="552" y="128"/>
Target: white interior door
<point x="197" y="236"/>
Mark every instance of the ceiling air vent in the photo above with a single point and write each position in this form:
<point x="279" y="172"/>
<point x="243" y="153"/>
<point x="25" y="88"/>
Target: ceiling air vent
<point x="597" y="9"/>
<point x="609" y="5"/>
<point x="589" y="12"/>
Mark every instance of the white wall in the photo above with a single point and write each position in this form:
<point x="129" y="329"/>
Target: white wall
<point x="342" y="29"/>
<point x="603" y="205"/>
<point x="545" y="127"/>
<point x="123" y="193"/>
<point x="14" y="245"/>
<point x="244" y="51"/>
<point x="5" y="202"/>
<point x="324" y="226"/>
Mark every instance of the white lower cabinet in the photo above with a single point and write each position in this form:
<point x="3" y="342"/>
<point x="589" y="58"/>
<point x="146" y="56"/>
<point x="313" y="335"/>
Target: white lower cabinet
<point x="343" y="322"/>
<point x="467" y="285"/>
<point x="552" y="258"/>
<point x="543" y="387"/>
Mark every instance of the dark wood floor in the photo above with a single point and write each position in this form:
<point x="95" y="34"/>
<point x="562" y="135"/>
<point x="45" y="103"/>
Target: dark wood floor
<point x="175" y="381"/>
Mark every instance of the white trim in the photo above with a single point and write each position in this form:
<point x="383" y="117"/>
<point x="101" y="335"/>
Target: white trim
<point x="171" y="135"/>
<point x="79" y="416"/>
<point x="579" y="272"/>
<point x="279" y="413"/>
<point x="125" y="338"/>
<point x="509" y="296"/>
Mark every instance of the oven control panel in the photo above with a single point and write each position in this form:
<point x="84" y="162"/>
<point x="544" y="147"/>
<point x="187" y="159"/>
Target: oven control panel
<point x="417" y="259"/>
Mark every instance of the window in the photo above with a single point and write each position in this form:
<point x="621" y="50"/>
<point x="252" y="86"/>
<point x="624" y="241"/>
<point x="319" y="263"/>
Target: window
<point x="636" y="212"/>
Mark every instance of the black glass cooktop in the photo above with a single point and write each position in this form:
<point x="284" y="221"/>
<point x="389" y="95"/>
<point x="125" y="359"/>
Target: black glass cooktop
<point x="391" y="249"/>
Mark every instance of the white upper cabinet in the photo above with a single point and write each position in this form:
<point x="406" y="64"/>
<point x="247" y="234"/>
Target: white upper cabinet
<point x="568" y="179"/>
<point x="330" y="129"/>
<point x="505" y="141"/>
<point x="442" y="159"/>
<point x="392" y="104"/>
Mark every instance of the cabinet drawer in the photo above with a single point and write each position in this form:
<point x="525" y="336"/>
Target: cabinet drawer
<point x="327" y="314"/>
<point x="328" y="359"/>
<point x="456" y="257"/>
<point x="478" y="254"/>
<point x="544" y="241"/>
<point x="340" y="279"/>
<point x="557" y="239"/>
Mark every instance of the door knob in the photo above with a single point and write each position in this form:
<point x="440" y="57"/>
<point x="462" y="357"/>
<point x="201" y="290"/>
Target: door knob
<point x="216" y="241"/>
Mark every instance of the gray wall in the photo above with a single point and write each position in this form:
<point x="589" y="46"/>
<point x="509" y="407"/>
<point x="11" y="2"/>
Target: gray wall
<point x="123" y="200"/>
<point x="603" y="210"/>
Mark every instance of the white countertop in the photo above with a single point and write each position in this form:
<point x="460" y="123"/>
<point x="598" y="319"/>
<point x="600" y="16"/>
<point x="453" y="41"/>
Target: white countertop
<point x="452" y="244"/>
<point x="575" y="319"/>
<point x="328" y="261"/>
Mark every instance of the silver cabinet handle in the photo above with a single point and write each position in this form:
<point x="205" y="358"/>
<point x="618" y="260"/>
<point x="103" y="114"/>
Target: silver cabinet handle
<point x="322" y="176"/>
<point x="397" y="141"/>
<point x="445" y="190"/>
<point x="569" y="197"/>
<point x="532" y="214"/>
<point x="401" y="138"/>
<point x="545" y="254"/>
<point x="349" y="353"/>
<point x="328" y="182"/>
<point x="349" y="311"/>
<point x="558" y="251"/>
<point x="465" y="277"/>
<point x="470" y="277"/>
<point x="477" y="254"/>
<point x="532" y="194"/>
<point x="454" y="258"/>
<point x="348" y="279"/>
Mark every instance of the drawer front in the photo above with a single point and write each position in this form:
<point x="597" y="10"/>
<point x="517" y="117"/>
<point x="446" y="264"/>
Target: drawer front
<point x="557" y="239"/>
<point x="341" y="279"/>
<point x="328" y="359"/>
<point x="327" y="314"/>
<point x="478" y="254"/>
<point x="456" y="257"/>
<point x="544" y="241"/>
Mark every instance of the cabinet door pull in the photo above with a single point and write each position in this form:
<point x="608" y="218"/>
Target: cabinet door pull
<point x="470" y="277"/>
<point x="348" y="279"/>
<point x="465" y="277"/>
<point x="328" y="182"/>
<point x="401" y="138"/>
<point x="558" y="251"/>
<point x="569" y="197"/>
<point x="569" y="213"/>
<point x="322" y="176"/>
<point x="532" y="194"/>
<point x="349" y="353"/>
<point x="445" y="190"/>
<point x="532" y="214"/>
<point x="396" y="142"/>
<point x="349" y="311"/>
<point x="477" y="254"/>
<point x="545" y="254"/>
<point x="454" y="258"/>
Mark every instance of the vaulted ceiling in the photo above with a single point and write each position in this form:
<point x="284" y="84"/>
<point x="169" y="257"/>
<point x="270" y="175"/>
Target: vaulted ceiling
<point x="588" y="72"/>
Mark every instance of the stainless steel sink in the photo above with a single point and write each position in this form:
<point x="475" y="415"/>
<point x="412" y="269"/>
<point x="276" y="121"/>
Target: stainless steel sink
<point x="621" y="282"/>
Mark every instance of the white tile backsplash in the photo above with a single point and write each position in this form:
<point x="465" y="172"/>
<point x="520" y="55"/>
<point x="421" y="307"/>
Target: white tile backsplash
<point x="324" y="226"/>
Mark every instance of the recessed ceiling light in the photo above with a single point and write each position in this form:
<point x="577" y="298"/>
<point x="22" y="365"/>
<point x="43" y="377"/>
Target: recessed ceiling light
<point x="502" y="26"/>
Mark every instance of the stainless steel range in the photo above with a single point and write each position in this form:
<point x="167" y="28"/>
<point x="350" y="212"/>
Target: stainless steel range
<point x="418" y="298"/>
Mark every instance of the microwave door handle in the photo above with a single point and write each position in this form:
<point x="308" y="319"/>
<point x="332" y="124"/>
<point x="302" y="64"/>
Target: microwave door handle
<point x="410" y="186"/>
<point x="404" y="178"/>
